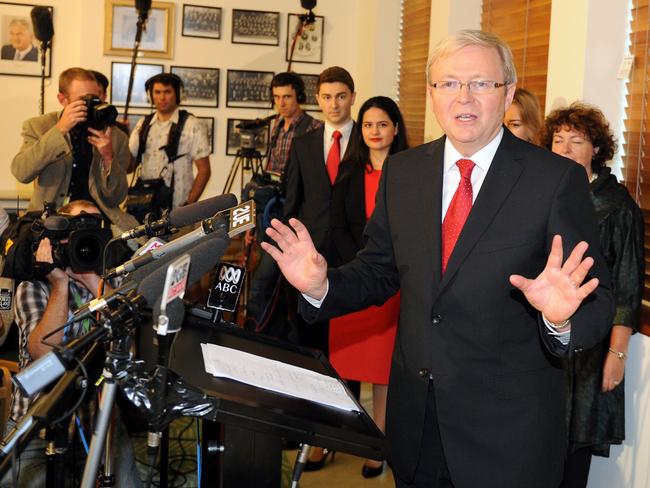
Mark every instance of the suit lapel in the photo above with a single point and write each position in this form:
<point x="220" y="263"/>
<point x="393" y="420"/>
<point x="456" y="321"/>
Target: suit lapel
<point x="499" y="181"/>
<point x="431" y="199"/>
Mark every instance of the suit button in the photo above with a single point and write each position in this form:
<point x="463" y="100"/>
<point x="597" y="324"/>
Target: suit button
<point x="436" y="320"/>
<point x="577" y="349"/>
<point x="424" y="373"/>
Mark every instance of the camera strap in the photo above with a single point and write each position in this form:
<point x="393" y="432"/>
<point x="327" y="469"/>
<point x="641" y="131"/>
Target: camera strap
<point x="173" y="139"/>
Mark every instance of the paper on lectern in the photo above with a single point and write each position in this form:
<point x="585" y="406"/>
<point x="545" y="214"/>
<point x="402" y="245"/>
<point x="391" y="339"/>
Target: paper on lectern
<point x="276" y="376"/>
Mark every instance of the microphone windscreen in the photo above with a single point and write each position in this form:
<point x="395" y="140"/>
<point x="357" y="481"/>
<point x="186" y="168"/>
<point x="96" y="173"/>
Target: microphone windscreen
<point x="143" y="6"/>
<point x="205" y="253"/>
<point x="42" y="23"/>
<point x="308" y="4"/>
<point x="56" y="222"/>
<point x="195" y="212"/>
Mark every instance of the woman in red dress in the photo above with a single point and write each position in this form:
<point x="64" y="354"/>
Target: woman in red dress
<point x="361" y="343"/>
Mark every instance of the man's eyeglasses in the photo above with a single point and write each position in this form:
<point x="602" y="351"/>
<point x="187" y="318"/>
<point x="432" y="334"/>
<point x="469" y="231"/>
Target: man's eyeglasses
<point x="474" y="86"/>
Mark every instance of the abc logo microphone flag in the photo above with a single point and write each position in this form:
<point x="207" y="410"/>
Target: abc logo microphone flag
<point x="227" y="287"/>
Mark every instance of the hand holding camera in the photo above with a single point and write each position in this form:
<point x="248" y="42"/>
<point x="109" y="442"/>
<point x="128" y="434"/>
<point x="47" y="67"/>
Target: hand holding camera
<point x="73" y="113"/>
<point x="104" y="144"/>
<point x="56" y="277"/>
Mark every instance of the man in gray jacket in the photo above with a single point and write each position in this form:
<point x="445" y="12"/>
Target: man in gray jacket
<point x="67" y="160"/>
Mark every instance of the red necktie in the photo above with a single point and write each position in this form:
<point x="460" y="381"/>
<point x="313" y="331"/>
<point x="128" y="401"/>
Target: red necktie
<point x="334" y="156"/>
<point x="458" y="210"/>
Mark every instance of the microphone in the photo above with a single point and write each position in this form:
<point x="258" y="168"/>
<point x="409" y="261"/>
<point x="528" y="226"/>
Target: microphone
<point x="207" y="227"/>
<point x="143" y="7"/>
<point x="42" y="24"/>
<point x="182" y="216"/>
<point x="52" y="365"/>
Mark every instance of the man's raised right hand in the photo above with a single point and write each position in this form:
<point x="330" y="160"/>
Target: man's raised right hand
<point x="300" y="262"/>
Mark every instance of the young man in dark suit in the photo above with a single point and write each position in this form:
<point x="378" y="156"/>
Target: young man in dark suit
<point x="312" y="170"/>
<point x="476" y="394"/>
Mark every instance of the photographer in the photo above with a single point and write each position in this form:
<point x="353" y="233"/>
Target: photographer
<point x="69" y="160"/>
<point x="287" y="92"/>
<point x="42" y="305"/>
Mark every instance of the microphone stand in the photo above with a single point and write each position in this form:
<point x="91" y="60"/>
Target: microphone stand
<point x="43" y="50"/>
<point x="140" y="27"/>
<point x="48" y="407"/>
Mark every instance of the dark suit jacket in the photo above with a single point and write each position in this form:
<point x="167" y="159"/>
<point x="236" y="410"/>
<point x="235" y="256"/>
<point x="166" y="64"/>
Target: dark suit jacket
<point x="308" y="188"/>
<point x="348" y="213"/>
<point x="8" y="52"/>
<point x="499" y="392"/>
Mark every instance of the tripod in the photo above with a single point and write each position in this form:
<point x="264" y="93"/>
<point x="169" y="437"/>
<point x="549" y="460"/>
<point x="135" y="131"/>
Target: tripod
<point x="246" y="159"/>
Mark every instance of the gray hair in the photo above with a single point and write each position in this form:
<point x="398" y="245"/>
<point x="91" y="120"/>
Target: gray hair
<point x="23" y="22"/>
<point x="470" y="37"/>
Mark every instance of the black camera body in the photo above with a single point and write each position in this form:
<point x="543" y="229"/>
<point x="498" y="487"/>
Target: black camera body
<point x="99" y="114"/>
<point x="77" y="241"/>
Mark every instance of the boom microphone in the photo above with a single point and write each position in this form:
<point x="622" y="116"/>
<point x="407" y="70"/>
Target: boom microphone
<point x="143" y="7"/>
<point x="182" y="216"/>
<point x="42" y="24"/>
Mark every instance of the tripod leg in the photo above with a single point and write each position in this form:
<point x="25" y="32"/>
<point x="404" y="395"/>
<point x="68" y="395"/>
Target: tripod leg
<point x="89" y="479"/>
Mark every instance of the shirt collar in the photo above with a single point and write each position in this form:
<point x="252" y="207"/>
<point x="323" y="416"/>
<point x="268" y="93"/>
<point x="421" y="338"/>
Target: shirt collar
<point x="173" y="118"/>
<point x="345" y="131"/>
<point x="294" y="122"/>
<point x="481" y="158"/>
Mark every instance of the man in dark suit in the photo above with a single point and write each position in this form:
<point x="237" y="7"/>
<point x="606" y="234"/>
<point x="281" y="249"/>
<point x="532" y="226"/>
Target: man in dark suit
<point x="312" y="169"/>
<point x="21" y="38"/>
<point x="476" y="397"/>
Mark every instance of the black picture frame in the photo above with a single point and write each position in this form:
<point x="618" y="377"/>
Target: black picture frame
<point x="201" y="85"/>
<point x="255" y="27"/>
<point x="201" y="21"/>
<point x="248" y="89"/>
<point x="120" y="82"/>
<point x="311" y="88"/>
<point x="209" y="121"/>
<point x="309" y="47"/>
<point x="18" y="16"/>
<point x="233" y="142"/>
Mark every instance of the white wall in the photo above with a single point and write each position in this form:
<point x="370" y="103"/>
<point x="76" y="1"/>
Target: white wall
<point x="360" y="35"/>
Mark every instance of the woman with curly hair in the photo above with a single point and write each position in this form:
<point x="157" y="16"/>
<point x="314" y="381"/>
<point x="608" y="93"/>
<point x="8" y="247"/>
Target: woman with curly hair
<point x="595" y="400"/>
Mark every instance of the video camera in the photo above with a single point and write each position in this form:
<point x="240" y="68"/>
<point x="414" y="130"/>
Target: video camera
<point x="251" y="132"/>
<point x="99" y="114"/>
<point x="77" y="241"/>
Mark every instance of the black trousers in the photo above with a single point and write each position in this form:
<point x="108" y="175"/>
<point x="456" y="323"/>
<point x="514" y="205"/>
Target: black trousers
<point x="431" y="471"/>
<point x="576" y="468"/>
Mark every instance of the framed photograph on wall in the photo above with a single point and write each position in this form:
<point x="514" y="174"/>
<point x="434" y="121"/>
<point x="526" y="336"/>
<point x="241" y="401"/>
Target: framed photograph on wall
<point x="201" y="85"/>
<point x="19" y="53"/>
<point x="120" y="21"/>
<point x="209" y="125"/>
<point x="311" y="84"/>
<point x="248" y="89"/>
<point x="233" y="143"/>
<point x="308" y="43"/>
<point x="200" y="21"/>
<point x="132" y="119"/>
<point x="120" y="82"/>
<point x="255" y="27"/>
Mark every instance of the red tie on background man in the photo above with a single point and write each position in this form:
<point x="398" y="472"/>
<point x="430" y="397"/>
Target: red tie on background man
<point x="458" y="210"/>
<point x="334" y="156"/>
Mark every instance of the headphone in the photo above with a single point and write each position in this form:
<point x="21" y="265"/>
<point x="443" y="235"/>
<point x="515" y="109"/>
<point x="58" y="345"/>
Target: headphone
<point x="165" y="79"/>
<point x="288" y="78"/>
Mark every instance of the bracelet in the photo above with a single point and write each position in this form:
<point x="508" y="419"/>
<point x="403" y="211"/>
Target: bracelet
<point x="561" y="325"/>
<point x="620" y="355"/>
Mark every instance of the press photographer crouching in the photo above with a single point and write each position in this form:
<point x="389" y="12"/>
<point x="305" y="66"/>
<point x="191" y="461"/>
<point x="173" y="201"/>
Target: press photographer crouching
<point x="67" y="258"/>
<point x="75" y="154"/>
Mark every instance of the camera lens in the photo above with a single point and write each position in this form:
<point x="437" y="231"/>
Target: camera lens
<point x="87" y="250"/>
